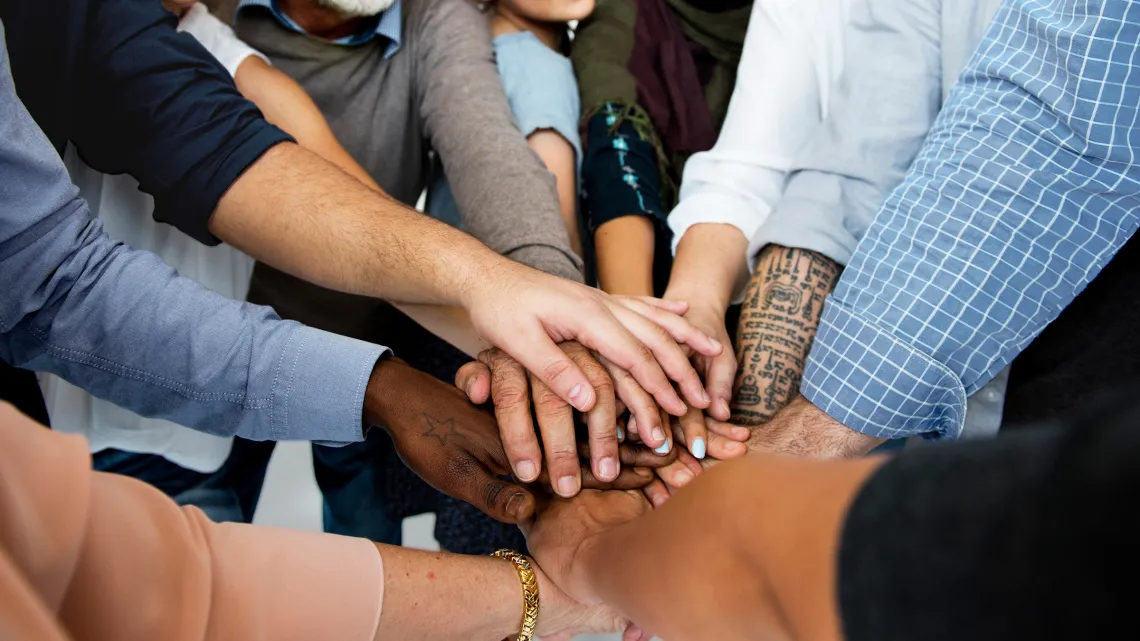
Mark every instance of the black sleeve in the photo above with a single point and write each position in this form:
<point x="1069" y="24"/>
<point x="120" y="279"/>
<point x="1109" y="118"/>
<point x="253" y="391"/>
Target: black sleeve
<point x="1034" y="536"/>
<point x="620" y="175"/>
<point x="155" y="104"/>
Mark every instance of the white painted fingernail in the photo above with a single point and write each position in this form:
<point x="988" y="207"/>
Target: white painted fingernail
<point x="664" y="449"/>
<point x="698" y="448"/>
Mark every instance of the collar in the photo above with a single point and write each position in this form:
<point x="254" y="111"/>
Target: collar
<point x="386" y="25"/>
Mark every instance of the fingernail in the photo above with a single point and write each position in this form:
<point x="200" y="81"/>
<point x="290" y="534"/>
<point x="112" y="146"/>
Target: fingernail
<point x="682" y="478"/>
<point x="631" y="424"/>
<point x="514" y="505"/>
<point x="607" y="469"/>
<point x="578" y="397"/>
<point x="705" y="397"/>
<point x="698" y="448"/>
<point x="621" y="433"/>
<point x="664" y="449"/>
<point x="659" y="434"/>
<point x="734" y="446"/>
<point x="526" y="471"/>
<point x="725" y="410"/>
<point x="467" y="389"/>
<point x="567" y="486"/>
<point x="715" y="343"/>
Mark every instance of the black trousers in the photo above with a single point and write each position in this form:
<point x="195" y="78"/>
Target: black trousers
<point x="19" y="387"/>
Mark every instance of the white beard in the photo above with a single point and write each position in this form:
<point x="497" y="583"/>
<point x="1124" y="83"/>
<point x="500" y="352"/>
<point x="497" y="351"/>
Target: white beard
<point x="356" y="8"/>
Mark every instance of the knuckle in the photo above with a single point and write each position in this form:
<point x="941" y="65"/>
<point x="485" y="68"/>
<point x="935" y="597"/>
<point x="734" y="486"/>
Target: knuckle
<point x="555" y="370"/>
<point x="509" y="398"/>
<point x="561" y="453"/>
<point x="547" y="402"/>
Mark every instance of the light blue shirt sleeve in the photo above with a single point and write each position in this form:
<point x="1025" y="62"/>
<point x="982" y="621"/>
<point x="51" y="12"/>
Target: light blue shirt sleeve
<point x="540" y="87"/>
<point x="882" y="107"/>
<point x="123" y="325"/>
<point x="1025" y="188"/>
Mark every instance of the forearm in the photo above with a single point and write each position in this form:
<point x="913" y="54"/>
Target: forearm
<point x="559" y="157"/>
<point x="625" y="249"/>
<point x="286" y="105"/>
<point x="709" y="265"/>
<point x="300" y="214"/>
<point x="434" y="596"/>
<point x="452" y="324"/>
<point x="765" y="567"/>
<point x="778" y="321"/>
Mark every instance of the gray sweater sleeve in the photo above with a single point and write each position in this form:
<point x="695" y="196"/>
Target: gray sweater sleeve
<point x="505" y="196"/>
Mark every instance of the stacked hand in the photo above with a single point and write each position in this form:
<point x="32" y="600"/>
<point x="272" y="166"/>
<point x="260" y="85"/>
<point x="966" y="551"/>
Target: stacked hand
<point x="498" y="377"/>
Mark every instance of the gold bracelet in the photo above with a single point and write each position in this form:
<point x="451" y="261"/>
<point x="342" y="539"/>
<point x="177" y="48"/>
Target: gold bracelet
<point x="529" y="589"/>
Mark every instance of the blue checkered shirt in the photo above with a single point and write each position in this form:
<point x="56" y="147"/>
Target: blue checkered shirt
<point x="1025" y="188"/>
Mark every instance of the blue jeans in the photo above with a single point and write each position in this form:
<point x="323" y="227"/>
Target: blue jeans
<point x="230" y="494"/>
<point x="351" y="481"/>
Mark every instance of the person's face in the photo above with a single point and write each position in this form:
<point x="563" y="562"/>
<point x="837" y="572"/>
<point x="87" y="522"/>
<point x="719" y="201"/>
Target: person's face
<point x="355" y="8"/>
<point x="549" y="10"/>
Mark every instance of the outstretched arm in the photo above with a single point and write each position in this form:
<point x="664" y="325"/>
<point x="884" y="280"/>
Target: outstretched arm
<point x="183" y="575"/>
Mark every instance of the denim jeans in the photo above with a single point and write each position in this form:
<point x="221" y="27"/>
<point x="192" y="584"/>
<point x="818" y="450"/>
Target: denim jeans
<point x="350" y="477"/>
<point x="230" y="494"/>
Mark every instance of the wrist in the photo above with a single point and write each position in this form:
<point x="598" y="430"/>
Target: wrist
<point x="802" y="429"/>
<point x="384" y="384"/>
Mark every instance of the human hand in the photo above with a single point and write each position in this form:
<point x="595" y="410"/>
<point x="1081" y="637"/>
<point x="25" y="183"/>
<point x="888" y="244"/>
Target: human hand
<point x="725" y="442"/>
<point x="525" y="313"/>
<point x="562" y="618"/>
<point x="717" y="371"/>
<point x="564" y="528"/>
<point x="498" y="376"/>
<point x="802" y="429"/>
<point x="455" y="446"/>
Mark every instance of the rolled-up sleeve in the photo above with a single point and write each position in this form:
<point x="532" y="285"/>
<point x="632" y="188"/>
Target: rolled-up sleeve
<point x="123" y="325"/>
<point x="1025" y="188"/>
<point x="882" y="108"/>
<point x="155" y="104"/>
<point x="791" y="57"/>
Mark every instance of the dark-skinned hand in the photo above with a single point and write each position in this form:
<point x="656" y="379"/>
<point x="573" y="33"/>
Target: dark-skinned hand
<point x="455" y="446"/>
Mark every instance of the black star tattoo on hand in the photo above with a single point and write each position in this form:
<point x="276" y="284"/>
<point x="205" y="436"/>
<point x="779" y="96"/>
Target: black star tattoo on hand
<point x="443" y="430"/>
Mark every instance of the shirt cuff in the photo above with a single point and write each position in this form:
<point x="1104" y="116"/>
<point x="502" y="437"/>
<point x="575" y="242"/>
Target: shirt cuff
<point x="875" y="383"/>
<point x="715" y="208"/>
<point x="804" y="224"/>
<point x="551" y="260"/>
<point x="319" y="387"/>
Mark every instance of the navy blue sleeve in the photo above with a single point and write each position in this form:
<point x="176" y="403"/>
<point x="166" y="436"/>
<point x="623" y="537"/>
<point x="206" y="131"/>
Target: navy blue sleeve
<point x="155" y="104"/>
<point x="619" y="171"/>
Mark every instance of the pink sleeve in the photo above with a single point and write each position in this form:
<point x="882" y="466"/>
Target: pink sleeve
<point x="118" y="560"/>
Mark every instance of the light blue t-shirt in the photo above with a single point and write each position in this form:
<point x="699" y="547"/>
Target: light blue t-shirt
<point x="543" y="94"/>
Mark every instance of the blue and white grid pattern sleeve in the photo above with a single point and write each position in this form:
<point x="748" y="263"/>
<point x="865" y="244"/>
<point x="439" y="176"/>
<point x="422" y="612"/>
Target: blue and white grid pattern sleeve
<point x="1025" y="188"/>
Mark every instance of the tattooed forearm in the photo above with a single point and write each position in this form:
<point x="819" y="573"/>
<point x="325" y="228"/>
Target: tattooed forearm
<point x="777" y="324"/>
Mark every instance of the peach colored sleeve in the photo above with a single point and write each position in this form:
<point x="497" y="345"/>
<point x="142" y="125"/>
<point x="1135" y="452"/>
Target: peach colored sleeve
<point x="117" y="560"/>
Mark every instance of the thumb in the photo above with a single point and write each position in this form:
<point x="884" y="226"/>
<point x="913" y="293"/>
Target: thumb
<point x="501" y="500"/>
<point x="474" y="379"/>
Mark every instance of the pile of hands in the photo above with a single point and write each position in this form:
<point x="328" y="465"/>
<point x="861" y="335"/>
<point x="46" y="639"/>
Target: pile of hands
<point x="569" y="461"/>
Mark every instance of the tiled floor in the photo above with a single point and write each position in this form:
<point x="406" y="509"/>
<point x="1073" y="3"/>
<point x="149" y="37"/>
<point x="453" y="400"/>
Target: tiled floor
<point x="291" y="499"/>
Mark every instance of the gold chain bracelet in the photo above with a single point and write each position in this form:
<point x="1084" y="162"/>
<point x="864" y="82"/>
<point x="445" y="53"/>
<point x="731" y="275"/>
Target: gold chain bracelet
<point x="529" y="589"/>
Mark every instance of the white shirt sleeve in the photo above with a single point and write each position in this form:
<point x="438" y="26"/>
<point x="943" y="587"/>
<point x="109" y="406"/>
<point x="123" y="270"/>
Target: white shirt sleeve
<point x="217" y="37"/>
<point x="792" y="55"/>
